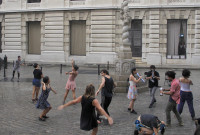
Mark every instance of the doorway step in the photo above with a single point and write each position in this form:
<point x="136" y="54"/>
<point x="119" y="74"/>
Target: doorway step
<point x="139" y="63"/>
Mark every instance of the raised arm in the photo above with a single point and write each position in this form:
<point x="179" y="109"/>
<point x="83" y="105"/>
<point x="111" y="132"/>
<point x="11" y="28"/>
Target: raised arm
<point x="43" y="86"/>
<point x="77" y="100"/>
<point x="101" y="110"/>
<point x="72" y="62"/>
<point x="134" y="79"/>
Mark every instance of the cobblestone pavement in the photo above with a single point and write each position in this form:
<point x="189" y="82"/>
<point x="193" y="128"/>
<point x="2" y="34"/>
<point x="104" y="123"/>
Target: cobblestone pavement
<point x="18" y="115"/>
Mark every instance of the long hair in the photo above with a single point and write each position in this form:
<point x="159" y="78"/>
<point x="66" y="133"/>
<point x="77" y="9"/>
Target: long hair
<point x="132" y="70"/>
<point x="90" y="91"/>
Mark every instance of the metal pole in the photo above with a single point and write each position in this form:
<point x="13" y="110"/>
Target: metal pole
<point x="98" y="69"/>
<point x="108" y="65"/>
<point x="60" y="68"/>
<point x="4" y="70"/>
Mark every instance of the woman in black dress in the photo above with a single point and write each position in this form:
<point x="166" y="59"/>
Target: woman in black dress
<point x="88" y="116"/>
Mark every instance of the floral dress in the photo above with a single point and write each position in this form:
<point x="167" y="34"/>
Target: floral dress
<point x="132" y="92"/>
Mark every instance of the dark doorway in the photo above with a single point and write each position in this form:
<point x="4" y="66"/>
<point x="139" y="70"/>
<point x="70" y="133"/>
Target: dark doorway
<point x="136" y="38"/>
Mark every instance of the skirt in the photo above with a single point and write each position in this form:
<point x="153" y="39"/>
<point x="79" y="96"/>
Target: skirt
<point x="71" y="85"/>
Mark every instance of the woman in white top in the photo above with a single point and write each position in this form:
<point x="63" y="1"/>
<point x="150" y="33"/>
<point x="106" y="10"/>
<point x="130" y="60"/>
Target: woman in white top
<point x="186" y="93"/>
<point x="132" y="92"/>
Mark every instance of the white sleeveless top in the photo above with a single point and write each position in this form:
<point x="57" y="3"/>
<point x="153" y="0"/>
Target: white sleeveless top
<point x="185" y="86"/>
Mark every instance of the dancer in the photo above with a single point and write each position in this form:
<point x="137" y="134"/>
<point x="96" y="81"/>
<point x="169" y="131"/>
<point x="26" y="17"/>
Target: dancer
<point x="153" y="77"/>
<point x="132" y="92"/>
<point x="17" y="65"/>
<point x="148" y="124"/>
<point x="42" y="102"/>
<point x="186" y="93"/>
<point x="88" y="119"/>
<point x="174" y="98"/>
<point x="106" y="87"/>
<point x="36" y="82"/>
<point x="71" y="84"/>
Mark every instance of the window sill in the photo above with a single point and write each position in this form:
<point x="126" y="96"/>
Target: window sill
<point x="176" y="57"/>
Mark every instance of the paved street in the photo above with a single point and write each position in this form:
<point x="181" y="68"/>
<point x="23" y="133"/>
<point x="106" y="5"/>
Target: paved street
<point x="18" y="115"/>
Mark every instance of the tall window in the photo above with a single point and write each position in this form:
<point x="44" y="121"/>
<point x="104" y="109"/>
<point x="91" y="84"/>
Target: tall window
<point x="78" y="38"/>
<point x="136" y="38"/>
<point x="176" y="39"/>
<point x="34" y="37"/>
<point x="34" y="1"/>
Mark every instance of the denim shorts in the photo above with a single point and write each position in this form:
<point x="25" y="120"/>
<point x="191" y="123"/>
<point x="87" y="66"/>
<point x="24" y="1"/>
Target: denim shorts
<point x="36" y="82"/>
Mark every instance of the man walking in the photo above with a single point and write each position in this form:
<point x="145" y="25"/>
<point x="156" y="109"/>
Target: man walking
<point x="17" y="65"/>
<point x="153" y="77"/>
<point x="174" y="98"/>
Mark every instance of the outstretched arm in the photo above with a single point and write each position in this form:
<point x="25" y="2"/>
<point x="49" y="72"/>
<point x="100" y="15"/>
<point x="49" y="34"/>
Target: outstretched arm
<point x="78" y="100"/>
<point x="101" y="85"/>
<point x="101" y="110"/>
<point x="53" y="91"/>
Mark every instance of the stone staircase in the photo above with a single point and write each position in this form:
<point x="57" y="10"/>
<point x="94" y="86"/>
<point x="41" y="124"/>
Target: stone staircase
<point x="138" y="62"/>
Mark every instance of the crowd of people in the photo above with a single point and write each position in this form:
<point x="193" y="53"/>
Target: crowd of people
<point x="146" y="124"/>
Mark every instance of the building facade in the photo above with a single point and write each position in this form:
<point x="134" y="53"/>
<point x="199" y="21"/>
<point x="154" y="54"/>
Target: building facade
<point x="163" y="32"/>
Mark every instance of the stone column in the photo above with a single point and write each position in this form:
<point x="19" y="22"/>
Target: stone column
<point x="124" y="62"/>
<point x="196" y="56"/>
<point x="154" y="57"/>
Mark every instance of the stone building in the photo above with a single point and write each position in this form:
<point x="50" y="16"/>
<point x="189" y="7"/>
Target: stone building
<point x="163" y="32"/>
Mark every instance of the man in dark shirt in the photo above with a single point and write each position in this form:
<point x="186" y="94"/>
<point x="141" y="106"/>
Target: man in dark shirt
<point x="153" y="77"/>
<point x="149" y="125"/>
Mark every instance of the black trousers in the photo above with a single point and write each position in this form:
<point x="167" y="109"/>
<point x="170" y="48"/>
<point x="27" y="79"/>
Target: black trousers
<point x="105" y="102"/>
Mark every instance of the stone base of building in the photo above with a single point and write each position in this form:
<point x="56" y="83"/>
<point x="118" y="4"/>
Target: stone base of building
<point x="154" y="59"/>
<point x="196" y="60"/>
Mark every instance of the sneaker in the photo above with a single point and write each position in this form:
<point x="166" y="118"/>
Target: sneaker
<point x="151" y="105"/>
<point x="41" y="119"/>
<point x="134" y="112"/>
<point x="129" y="109"/>
<point x="103" y="117"/>
<point x="155" y="100"/>
<point x="181" y="124"/>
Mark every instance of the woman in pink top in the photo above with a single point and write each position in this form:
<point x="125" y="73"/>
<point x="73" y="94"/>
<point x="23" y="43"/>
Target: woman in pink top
<point x="71" y="84"/>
